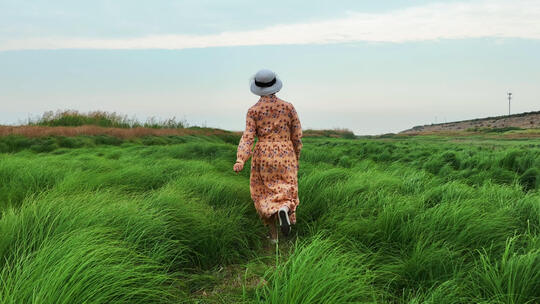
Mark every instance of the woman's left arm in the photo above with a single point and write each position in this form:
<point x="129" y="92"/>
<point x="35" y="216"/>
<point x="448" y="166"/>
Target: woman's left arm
<point x="296" y="132"/>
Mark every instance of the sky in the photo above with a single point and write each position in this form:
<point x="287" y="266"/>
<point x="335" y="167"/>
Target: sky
<point x="370" y="66"/>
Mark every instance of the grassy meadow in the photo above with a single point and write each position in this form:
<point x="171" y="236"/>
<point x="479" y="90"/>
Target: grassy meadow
<point x="99" y="219"/>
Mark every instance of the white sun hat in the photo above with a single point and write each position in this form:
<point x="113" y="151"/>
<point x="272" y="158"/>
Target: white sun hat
<point x="265" y="82"/>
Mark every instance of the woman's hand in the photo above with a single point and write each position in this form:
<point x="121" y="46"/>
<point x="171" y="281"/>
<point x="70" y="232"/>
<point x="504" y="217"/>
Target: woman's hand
<point x="238" y="166"/>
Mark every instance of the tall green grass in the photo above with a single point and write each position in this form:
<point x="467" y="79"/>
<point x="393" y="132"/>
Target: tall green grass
<point x="165" y="220"/>
<point x="84" y="266"/>
<point x="320" y="271"/>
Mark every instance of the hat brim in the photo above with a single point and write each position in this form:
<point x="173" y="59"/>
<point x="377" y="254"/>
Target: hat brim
<point x="265" y="91"/>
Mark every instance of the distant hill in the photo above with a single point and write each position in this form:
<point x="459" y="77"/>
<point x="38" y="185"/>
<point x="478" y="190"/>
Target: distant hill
<point x="528" y="120"/>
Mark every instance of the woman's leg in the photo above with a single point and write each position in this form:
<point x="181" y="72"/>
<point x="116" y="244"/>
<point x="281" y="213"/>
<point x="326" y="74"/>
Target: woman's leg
<point x="271" y="223"/>
<point x="273" y="231"/>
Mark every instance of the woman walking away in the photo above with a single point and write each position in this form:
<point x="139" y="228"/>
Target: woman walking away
<point x="274" y="166"/>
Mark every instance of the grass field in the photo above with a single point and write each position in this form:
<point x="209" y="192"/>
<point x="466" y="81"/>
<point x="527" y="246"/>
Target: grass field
<point x="97" y="219"/>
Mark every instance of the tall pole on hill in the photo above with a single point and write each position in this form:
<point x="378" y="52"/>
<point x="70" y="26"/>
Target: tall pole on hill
<point x="509" y="99"/>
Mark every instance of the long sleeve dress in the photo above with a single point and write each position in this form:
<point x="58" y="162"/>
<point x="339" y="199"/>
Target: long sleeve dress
<point x="274" y="166"/>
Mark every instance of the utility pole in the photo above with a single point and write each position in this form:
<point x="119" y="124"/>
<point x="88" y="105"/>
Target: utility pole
<point x="509" y="99"/>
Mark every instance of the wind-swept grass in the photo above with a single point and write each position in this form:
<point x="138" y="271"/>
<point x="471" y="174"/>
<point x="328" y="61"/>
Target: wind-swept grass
<point x="165" y="220"/>
<point x="84" y="266"/>
<point x="512" y="278"/>
<point x="320" y="271"/>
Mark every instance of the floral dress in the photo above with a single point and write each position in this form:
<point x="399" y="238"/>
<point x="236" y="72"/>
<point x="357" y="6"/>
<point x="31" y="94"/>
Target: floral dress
<point x="274" y="166"/>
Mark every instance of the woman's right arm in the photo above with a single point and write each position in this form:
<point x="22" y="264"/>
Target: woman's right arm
<point x="246" y="142"/>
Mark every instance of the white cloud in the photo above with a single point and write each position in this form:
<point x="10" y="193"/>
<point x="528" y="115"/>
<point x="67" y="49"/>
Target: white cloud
<point x="477" y="19"/>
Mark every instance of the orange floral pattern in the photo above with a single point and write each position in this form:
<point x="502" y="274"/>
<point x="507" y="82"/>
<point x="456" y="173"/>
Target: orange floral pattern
<point x="274" y="166"/>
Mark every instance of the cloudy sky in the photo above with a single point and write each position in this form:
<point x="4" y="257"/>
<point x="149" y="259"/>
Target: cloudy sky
<point x="370" y="66"/>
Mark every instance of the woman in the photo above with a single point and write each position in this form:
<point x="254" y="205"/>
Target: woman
<point x="273" y="180"/>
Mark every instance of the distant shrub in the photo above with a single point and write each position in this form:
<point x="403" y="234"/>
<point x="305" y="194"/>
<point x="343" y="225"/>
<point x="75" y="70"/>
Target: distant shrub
<point x="169" y="123"/>
<point x="73" y="118"/>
